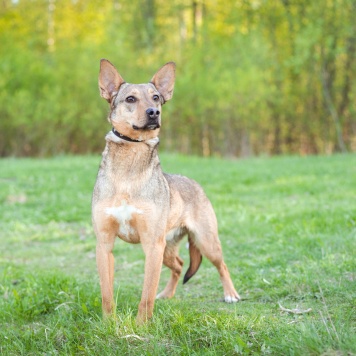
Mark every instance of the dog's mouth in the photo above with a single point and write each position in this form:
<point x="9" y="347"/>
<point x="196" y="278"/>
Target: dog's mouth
<point x="148" y="126"/>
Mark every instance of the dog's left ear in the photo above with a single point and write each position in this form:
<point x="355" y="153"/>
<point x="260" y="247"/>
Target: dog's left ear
<point x="163" y="80"/>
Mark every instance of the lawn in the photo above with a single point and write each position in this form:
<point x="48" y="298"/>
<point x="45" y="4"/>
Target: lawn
<point x="288" y="230"/>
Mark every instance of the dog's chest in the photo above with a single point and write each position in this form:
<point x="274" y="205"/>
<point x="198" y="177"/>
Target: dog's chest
<point x="125" y="215"/>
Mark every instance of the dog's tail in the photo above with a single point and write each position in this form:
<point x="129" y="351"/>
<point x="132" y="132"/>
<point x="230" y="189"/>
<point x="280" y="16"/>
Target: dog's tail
<point x="195" y="260"/>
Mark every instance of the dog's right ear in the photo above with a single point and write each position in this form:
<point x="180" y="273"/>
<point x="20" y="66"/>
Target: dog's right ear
<point x="109" y="80"/>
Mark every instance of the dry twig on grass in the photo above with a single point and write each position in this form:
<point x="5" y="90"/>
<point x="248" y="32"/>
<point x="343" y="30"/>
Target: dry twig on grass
<point x="294" y="311"/>
<point x="134" y="336"/>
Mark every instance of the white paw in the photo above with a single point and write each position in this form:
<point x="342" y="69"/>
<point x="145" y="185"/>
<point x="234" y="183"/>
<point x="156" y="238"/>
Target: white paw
<point x="162" y="295"/>
<point x="231" y="299"/>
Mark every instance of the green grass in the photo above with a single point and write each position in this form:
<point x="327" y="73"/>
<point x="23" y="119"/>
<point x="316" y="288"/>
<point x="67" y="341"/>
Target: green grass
<point x="287" y="226"/>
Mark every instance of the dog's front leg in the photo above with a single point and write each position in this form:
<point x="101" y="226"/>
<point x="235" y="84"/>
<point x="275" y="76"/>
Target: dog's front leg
<point x="105" y="263"/>
<point x="153" y="265"/>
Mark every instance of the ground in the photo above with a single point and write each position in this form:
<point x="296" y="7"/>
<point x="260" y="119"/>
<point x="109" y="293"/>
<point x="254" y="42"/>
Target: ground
<point x="287" y="226"/>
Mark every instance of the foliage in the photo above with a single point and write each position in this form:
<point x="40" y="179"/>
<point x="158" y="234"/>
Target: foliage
<point x="253" y="76"/>
<point x="287" y="226"/>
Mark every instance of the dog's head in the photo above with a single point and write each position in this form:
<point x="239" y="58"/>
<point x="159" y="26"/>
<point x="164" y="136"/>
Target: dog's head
<point x="135" y="109"/>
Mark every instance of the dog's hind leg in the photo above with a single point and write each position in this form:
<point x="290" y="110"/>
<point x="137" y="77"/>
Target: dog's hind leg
<point x="172" y="260"/>
<point x="209" y="245"/>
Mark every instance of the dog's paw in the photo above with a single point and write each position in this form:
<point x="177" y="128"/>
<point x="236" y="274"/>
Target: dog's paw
<point x="232" y="298"/>
<point x="163" y="295"/>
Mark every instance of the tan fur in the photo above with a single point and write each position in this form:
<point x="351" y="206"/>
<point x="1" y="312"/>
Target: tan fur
<point x="134" y="200"/>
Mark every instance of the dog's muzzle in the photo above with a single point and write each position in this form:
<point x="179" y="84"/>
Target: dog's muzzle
<point x="153" y="126"/>
<point x="148" y="126"/>
<point x="152" y="115"/>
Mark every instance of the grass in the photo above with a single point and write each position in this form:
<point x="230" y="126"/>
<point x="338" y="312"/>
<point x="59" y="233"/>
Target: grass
<point x="287" y="226"/>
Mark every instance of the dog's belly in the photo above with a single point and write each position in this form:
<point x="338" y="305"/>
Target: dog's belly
<point x="175" y="234"/>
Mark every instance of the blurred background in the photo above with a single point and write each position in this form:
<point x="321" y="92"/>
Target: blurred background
<point x="253" y="77"/>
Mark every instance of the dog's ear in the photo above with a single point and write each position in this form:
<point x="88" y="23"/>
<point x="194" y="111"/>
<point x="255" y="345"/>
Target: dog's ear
<point x="109" y="80"/>
<point x="163" y="80"/>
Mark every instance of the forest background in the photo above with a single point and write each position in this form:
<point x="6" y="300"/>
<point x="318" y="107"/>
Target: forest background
<point x="253" y="77"/>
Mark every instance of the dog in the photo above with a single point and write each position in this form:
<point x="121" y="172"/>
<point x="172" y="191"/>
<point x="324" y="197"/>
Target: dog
<point x="134" y="200"/>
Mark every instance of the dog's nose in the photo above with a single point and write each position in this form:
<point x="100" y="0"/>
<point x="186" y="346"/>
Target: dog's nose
<point x="152" y="113"/>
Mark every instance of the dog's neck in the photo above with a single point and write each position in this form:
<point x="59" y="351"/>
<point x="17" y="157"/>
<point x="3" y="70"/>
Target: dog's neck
<point x="114" y="136"/>
<point x="123" y="137"/>
<point x="129" y="157"/>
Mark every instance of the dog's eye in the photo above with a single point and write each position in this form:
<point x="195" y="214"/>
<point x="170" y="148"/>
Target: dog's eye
<point x="155" y="97"/>
<point x="130" y="99"/>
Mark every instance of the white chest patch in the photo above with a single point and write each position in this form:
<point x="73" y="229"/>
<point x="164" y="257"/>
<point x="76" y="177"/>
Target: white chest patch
<point x="123" y="215"/>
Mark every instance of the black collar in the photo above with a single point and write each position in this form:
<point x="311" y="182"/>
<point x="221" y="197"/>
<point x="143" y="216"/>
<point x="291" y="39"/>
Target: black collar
<point x="118" y="134"/>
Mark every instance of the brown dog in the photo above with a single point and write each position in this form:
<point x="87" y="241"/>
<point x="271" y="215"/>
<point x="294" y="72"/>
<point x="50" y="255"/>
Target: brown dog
<point x="134" y="200"/>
